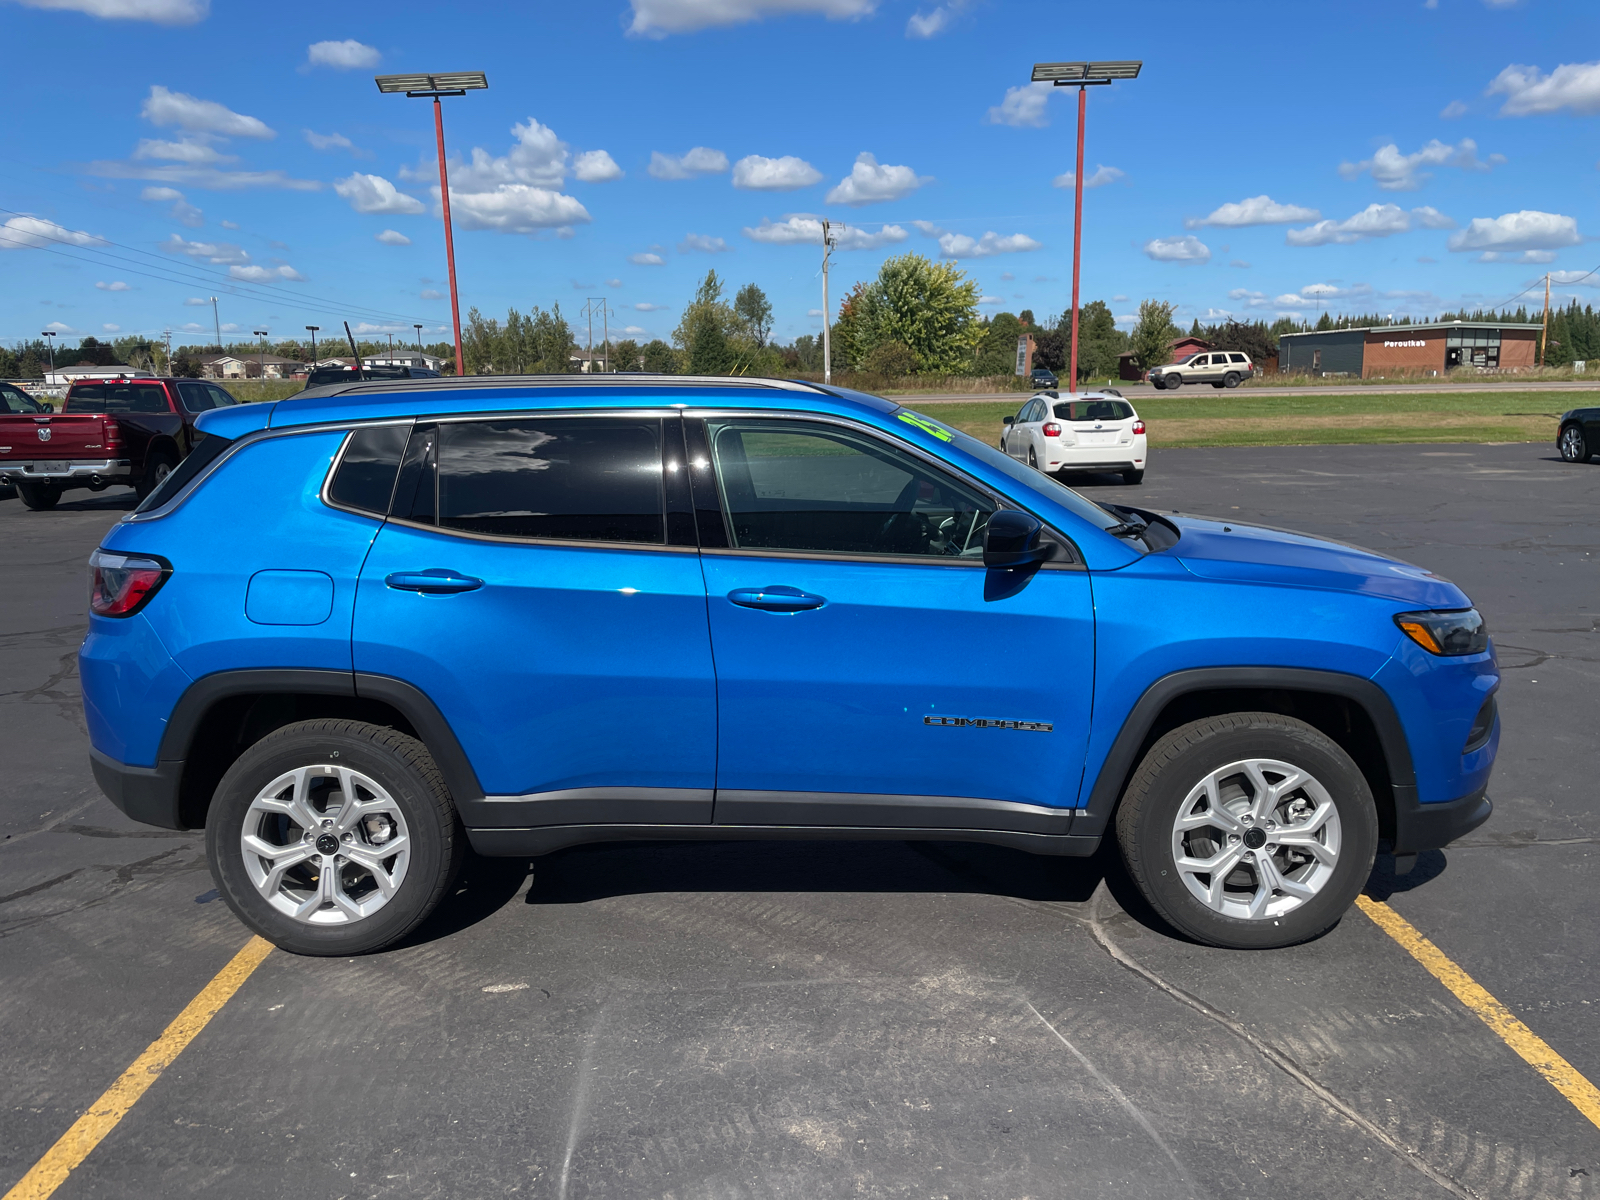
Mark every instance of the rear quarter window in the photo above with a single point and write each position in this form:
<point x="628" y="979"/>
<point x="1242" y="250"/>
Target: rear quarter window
<point x="364" y="479"/>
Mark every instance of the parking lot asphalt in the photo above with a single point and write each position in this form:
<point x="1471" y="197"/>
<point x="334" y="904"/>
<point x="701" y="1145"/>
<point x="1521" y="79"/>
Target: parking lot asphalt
<point x="821" y="1019"/>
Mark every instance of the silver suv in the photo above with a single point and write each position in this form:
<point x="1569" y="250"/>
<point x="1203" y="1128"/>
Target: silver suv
<point x="1219" y="368"/>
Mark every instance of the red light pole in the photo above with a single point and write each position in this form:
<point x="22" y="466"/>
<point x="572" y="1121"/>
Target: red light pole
<point x="450" y="83"/>
<point x="1080" y="75"/>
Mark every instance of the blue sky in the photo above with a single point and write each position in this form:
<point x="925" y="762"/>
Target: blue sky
<point x="1401" y="157"/>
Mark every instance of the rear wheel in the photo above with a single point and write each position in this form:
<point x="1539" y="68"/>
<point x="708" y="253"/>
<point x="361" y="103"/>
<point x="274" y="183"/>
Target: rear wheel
<point x="1231" y="379"/>
<point x="1574" y="446"/>
<point x="40" y="497"/>
<point x="1033" y="459"/>
<point x="1249" y="830"/>
<point x="156" y="469"/>
<point x="333" y="837"/>
<point x="1132" y="477"/>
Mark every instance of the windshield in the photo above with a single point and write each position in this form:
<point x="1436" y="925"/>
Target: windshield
<point x="1027" y="476"/>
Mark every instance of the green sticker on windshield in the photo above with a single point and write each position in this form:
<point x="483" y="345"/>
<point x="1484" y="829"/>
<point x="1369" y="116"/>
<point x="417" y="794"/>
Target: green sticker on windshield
<point x="925" y="425"/>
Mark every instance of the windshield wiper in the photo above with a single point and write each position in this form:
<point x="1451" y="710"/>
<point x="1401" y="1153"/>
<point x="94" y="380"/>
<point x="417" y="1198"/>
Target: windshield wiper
<point x="1132" y="524"/>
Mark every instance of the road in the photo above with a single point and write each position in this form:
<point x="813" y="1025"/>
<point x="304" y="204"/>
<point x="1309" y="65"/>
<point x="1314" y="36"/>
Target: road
<point x="1134" y="390"/>
<point x="805" y="1020"/>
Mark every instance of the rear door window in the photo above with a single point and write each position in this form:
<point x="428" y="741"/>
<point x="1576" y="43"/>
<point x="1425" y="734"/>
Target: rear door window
<point x="86" y="398"/>
<point x="584" y="479"/>
<point x="790" y="485"/>
<point x="17" y="401"/>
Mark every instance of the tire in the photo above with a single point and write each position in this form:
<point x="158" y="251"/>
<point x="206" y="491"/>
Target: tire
<point x="1133" y="478"/>
<point x="1033" y="459"/>
<point x="1572" y="443"/>
<point x="1172" y="382"/>
<point x="406" y="804"/>
<point x="1231" y="379"/>
<point x="40" y="497"/>
<point x="1169" y="788"/>
<point x="156" y="469"/>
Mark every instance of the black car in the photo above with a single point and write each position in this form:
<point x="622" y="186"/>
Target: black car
<point x="1043" y="377"/>
<point x="1580" y="434"/>
<point x="322" y="375"/>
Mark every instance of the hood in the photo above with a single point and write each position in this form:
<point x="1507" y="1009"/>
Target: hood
<point x="1229" y="550"/>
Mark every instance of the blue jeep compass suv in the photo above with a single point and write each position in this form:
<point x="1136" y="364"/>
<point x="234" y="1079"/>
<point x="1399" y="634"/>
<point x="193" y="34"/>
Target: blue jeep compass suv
<point x="359" y="629"/>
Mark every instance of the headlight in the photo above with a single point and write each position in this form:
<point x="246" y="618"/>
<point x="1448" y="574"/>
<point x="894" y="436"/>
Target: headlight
<point x="1460" y="631"/>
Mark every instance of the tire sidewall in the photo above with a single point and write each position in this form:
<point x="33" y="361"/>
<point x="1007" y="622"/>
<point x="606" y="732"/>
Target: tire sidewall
<point x="273" y="757"/>
<point x="1582" y="444"/>
<point x="1150" y="835"/>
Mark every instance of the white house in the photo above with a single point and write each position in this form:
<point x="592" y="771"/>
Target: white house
<point x="61" y="376"/>
<point x="404" y="358"/>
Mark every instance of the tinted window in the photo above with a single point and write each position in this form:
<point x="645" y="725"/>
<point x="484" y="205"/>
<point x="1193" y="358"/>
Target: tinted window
<point x="17" y="401"/>
<point x="366" y="471"/>
<point x="136" y="398"/>
<point x="1237" y="358"/>
<point x="569" y="478"/>
<point x="86" y="398"/>
<point x="797" y="486"/>
<point x="195" y="397"/>
<point x="206" y="450"/>
<point x="1094" y="410"/>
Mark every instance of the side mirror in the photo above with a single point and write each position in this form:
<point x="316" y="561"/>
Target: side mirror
<point x="49" y="406"/>
<point x="1007" y="420"/>
<point x="1012" y="540"/>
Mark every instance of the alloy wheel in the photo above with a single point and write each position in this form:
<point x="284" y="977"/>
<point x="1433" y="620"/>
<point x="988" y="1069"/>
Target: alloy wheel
<point x="1256" y="839"/>
<point x="325" y="845"/>
<point x="1573" y="448"/>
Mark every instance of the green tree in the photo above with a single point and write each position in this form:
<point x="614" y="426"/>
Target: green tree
<point x="10" y="367"/>
<point x="1100" y="342"/>
<point x="754" y="311"/>
<point x="551" y="342"/>
<point x="625" y="355"/>
<point x="660" y="358"/>
<point x="1153" y="334"/>
<point x="480" y="342"/>
<point x="931" y="307"/>
<point x="707" y="331"/>
<point x="997" y="353"/>
<point x="891" y="359"/>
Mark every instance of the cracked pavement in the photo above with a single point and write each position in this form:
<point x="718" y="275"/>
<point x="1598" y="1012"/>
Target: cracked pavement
<point x="814" y="1019"/>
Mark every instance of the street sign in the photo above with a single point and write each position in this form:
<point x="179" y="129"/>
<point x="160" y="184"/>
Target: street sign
<point x="1024" y="353"/>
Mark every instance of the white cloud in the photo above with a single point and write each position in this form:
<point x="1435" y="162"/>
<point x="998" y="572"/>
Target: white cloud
<point x="634" y="330"/>
<point x="1374" y="221"/>
<point x="348" y="55"/>
<point x="803" y="229"/>
<point x="813" y="312"/>
<point x="110" y="328"/>
<point x="1252" y="299"/>
<point x="1565" y="278"/>
<point x="257" y="274"/>
<point x="1026" y="105"/>
<point x="165" y="108"/>
<point x="1006" y="276"/>
<point x="161" y="12"/>
<point x="991" y="299"/>
<point x="515" y="208"/>
<point x="32" y="233"/>
<point x="595" y="166"/>
<point x="431" y="294"/>
<point x="1102" y="175"/>
<point x="758" y="174"/>
<point x="613" y="283"/>
<point x="375" y="194"/>
<point x="216" y="252"/>
<point x="392" y="237"/>
<point x="658" y="18"/>
<point x="936" y="21"/>
<point x="1453" y="110"/>
<point x="701" y="242"/>
<point x="702" y="160"/>
<point x="961" y="245"/>
<point x="1526" y="257"/>
<point x="1530" y="92"/>
<point x="196" y="302"/>
<point x="115" y="285"/>
<point x="229" y="224"/>
<point x="646" y="260"/>
<point x="648" y="307"/>
<point x="328" y="141"/>
<point x="1185" y="249"/>
<point x="1257" y="210"/>
<point x="1239" y="262"/>
<point x="203" y="177"/>
<point x="1518" y="231"/>
<point x="194" y="149"/>
<point x="181" y="210"/>
<point x="539" y="158"/>
<point x="1396" y="172"/>
<point x="872" y="183"/>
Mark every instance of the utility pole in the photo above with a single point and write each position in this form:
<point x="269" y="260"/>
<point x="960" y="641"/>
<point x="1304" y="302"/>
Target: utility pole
<point x="590" y="311"/>
<point x="605" y="332"/>
<point x="312" y="330"/>
<point x="418" y="328"/>
<point x="830" y="239"/>
<point x="218" y="321"/>
<point x="50" y="335"/>
<point x="166" y="339"/>
<point x="262" y="334"/>
<point x="1544" y="338"/>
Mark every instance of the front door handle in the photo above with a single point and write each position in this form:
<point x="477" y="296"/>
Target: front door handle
<point x="775" y="599"/>
<point x="433" y="582"/>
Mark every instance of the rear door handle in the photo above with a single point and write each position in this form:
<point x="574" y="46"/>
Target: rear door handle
<point x="433" y="582"/>
<point x="775" y="599"/>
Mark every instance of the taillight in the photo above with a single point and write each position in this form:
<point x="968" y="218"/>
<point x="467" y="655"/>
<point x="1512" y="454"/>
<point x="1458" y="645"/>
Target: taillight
<point x="1051" y="429"/>
<point x="112" y="435"/>
<point x="1138" y="427"/>
<point x="121" y="584"/>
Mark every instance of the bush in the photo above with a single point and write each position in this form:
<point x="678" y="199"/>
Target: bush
<point x="890" y="358"/>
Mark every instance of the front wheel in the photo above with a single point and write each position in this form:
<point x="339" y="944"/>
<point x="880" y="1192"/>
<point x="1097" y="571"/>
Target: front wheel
<point x="1573" y="445"/>
<point x="1173" y="382"/>
<point x="1248" y="830"/>
<point x="333" y="837"/>
<point x="40" y="497"/>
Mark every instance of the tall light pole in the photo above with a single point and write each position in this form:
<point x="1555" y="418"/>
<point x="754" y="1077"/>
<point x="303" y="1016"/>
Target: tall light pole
<point x="218" y="319"/>
<point x="449" y="83"/>
<point x="418" y="328"/>
<point x="49" y="335"/>
<point x="1081" y="75"/>
<point x="262" y="334"/>
<point x="312" y="330"/>
<point x="830" y="239"/>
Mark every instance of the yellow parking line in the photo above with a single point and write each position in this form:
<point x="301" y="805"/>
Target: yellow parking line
<point x="51" y="1171"/>
<point x="1561" y="1074"/>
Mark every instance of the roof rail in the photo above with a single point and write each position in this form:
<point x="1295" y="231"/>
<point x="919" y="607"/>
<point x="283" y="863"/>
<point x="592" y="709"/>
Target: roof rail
<point x="454" y="382"/>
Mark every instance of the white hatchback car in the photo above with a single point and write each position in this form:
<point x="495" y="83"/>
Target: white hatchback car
<point x="1084" y="432"/>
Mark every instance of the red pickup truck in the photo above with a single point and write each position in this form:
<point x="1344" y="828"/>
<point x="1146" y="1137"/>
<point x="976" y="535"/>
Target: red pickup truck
<point x="109" y="431"/>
